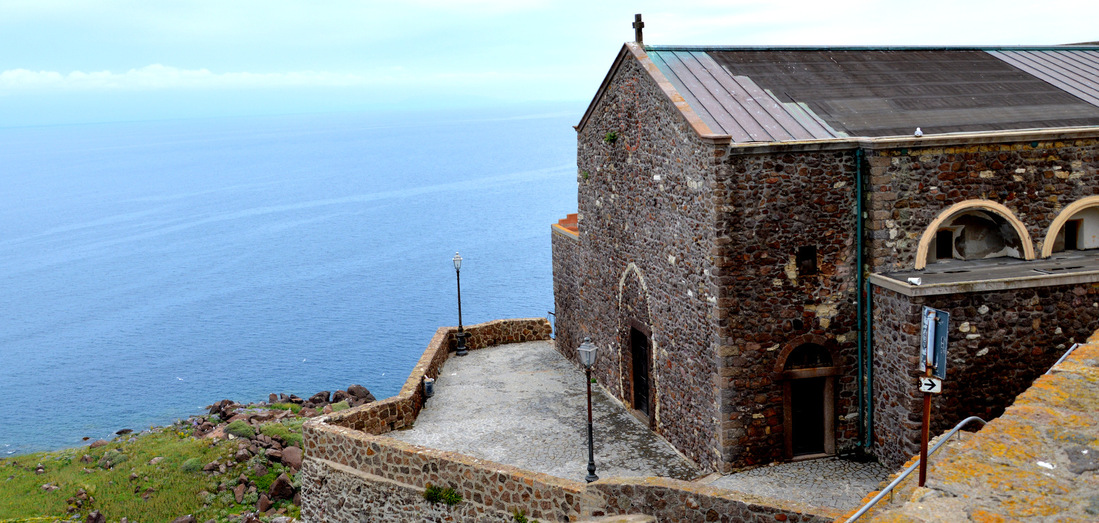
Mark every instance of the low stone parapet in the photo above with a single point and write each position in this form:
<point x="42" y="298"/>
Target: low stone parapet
<point x="673" y="500"/>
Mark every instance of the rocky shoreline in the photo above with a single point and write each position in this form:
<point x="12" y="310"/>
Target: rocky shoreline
<point x="259" y="449"/>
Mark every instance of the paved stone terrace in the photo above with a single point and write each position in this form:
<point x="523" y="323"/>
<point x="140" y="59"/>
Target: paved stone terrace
<point x="525" y="405"/>
<point x="828" y="482"/>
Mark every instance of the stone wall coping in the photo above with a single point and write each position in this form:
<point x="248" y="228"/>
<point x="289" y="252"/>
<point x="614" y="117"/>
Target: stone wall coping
<point x="565" y="233"/>
<point x="990" y="285"/>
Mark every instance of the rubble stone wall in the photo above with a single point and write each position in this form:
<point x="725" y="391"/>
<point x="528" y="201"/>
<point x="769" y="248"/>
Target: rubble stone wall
<point x="673" y="500"/>
<point x="999" y="343"/>
<point x="772" y="205"/>
<point x="910" y="187"/>
<point x="646" y="230"/>
<point x="566" y="292"/>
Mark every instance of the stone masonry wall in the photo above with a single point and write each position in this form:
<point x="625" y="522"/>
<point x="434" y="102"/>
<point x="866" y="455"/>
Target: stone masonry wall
<point x="999" y="343"/>
<point x="911" y="186"/>
<point x="772" y="204"/>
<point x="487" y="489"/>
<point x="671" y="500"/>
<point x="646" y="229"/>
<point x="566" y="291"/>
<point x="401" y="410"/>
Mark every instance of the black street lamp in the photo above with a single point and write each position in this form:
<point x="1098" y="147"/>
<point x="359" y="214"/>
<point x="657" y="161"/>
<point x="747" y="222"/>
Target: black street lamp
<point x="588" y="354"/>
<point x="461" y="333"/>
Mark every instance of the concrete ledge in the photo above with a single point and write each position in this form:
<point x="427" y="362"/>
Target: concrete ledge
<point x="988" y="285"/>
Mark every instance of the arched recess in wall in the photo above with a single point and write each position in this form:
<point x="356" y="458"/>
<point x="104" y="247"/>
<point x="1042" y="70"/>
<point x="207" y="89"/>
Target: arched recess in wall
<point x="1075" y="228"/>
<point x="808" y="371"/>
<point x="636" y="351"/>
<point x="973" y="230"/>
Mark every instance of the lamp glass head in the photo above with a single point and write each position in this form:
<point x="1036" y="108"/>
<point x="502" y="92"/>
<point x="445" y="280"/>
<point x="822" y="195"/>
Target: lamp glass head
<point x="588" y="353"/>
<point x="457" y="262"/>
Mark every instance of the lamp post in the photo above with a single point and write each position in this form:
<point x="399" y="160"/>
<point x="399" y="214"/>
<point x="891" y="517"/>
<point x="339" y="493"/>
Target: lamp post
<point x="588" y="354"/>
<point x="461" y="333"/>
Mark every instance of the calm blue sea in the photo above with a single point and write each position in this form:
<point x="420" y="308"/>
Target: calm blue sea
<point x="150" y="269"/>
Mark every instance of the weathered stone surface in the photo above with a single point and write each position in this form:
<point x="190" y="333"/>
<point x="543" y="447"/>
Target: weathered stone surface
<point x="361" y="392"/>
<point x="1009" y="339"/>
<point x="263" y="504"/>
<point x="282" y="488"/>
<point x="185" y="519"/>
<point x="320" y="398"/>
<point x="291" y="457"/>
<point x="96" y="517"/>
<point x="238" y="491"/>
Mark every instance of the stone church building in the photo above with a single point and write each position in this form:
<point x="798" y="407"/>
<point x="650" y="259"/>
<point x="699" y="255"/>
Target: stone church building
<point x="759" y="229"/>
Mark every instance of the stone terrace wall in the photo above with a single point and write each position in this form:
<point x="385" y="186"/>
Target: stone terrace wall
<point x="911" y="186"/>
<point x="401" y="410"/>
<point x="671" y="500"/>
<point x="772" y="204"/>
<point x="351" y="439"/>
<point x="566" y="291"/>
<point x="999" y="343"/>
<point x="490" y="491"/>
<point x="646" y="230"/>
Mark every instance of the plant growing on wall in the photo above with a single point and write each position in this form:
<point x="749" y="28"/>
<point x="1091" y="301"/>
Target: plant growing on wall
<point x="437" y="494"/>
<point x="610" y="137"/>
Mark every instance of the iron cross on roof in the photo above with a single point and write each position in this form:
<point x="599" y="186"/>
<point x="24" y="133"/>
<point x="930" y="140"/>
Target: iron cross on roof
<point x="637" y="26"/>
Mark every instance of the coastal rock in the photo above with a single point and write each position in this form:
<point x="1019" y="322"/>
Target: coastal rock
<point x="360" y="392"/>
<point x="320" y="397"/>
<point x="156" y="460"/>
<point x="272" y="398"/>
<point x="259" y="469"/>
<point x="242" y="455"/>
<point x="210" y="467"/>
<point x="274" y="455"/>
<point x="123" y="432"/>
<point x="238" y="492"/>
<point x="50" y="487"/>
<point x="294" y="399"/>
<point x="185" y="519"/>
<point x="291" y="457"/>
<point x="327" y="409"/>
<point x="282" y="488"/>
<point x="223" y="409"/>
<point x="264" y="503"/>
<point x="96" y="517"/>
<point x="308" y="412"/>
<point x="340" y="395"/>
<point x="97" y="443"/>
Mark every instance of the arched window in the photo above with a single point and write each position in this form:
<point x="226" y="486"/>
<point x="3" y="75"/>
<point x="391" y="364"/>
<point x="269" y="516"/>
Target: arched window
<point x="1075" y="229"/>
<point x="974" y="230"/>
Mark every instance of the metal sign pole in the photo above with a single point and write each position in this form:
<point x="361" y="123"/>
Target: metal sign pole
<point x="929" y="365"/>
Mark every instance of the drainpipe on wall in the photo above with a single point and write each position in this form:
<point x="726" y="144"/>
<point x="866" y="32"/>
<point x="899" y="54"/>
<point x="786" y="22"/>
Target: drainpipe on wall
<point x="858" y="287"/>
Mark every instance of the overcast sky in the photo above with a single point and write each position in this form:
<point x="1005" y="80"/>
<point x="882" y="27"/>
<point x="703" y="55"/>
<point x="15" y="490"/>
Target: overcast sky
<point x="66" y="61"/>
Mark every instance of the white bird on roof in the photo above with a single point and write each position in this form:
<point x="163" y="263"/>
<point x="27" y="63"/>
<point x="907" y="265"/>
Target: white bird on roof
<point x="919" y="132"/>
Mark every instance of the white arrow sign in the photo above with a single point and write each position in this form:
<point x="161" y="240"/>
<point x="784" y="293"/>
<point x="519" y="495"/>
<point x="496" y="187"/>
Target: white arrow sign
<point x="931" y="385"/>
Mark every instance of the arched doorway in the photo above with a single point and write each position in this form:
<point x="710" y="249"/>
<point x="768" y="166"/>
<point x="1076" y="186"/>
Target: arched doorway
<point x="640" y="370"/>
<point x="972" y="230"/>
<point x="809" y="402"/>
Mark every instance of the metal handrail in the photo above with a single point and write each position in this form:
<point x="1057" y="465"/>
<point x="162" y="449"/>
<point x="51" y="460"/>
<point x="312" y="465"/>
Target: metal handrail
<point x="889" y="488"/>
<point x="1063" y="356"/>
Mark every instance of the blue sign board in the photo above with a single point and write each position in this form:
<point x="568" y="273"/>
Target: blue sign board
<point x="933" y="336"/>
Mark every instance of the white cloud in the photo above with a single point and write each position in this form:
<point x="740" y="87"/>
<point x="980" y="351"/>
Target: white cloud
<point x="160" y="77"/>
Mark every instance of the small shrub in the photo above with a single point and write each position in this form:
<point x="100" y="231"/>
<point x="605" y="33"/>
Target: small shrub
<point x="191" y="465"/>
<point x="292" y="407"/>
<point x="436" y="494"/>
<point x="275" y="430"/>
<point x="264" y="482"/>
<point x="240" y="429"/>
<point x="111" y="458"/>
<point x="340" y="405"/>
<point x="521" y="517"/>
<point x="610" y="137"/>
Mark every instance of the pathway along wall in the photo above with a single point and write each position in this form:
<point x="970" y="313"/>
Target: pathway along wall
<point x="352" y="472"/>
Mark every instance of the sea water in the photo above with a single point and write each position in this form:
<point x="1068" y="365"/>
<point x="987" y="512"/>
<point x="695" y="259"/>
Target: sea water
<point x="149" y="269"/>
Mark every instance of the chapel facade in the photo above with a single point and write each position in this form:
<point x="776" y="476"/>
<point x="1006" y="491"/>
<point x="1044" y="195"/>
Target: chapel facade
<point x="759" y="230"/>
